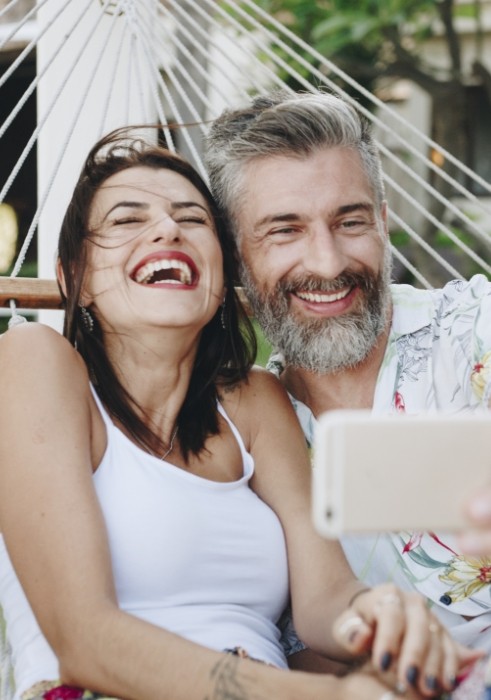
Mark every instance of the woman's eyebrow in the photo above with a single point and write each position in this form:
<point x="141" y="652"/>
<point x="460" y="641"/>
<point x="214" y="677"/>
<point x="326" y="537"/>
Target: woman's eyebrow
<point x="186" y="205"/>
<point x="127" y="204"/>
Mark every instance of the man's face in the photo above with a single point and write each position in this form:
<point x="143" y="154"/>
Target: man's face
<point x="315" y="257"/>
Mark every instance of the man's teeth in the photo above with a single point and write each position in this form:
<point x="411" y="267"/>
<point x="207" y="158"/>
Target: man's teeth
<point x="145" y="274"/>
<point x="323" y="297"/>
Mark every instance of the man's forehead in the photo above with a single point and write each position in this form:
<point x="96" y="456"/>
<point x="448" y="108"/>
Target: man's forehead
<point x="285" y="186"/>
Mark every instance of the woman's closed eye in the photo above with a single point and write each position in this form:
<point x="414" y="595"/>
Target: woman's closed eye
<point x="192" y="219"/>
<point x="127" y="220"/>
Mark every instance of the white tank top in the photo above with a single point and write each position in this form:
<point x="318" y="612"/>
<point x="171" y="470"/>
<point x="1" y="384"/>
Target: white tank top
<point x="204" y="559"/>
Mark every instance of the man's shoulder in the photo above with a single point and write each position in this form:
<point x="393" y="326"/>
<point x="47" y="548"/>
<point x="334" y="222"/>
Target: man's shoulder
<point x="455" y="297"/>
<point x="475" y="287"/>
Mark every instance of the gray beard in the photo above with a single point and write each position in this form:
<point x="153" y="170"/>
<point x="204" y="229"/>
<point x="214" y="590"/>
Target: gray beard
<point x="325" y="345"/>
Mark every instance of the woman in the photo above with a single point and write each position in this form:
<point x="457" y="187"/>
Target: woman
<point x="151" y="486"/>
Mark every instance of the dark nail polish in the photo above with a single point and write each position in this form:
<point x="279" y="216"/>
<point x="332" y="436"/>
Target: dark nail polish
<point x="386" y="661"/>
<point x="431" y="683"/>
<point x="487" y="693"/>
<point x="446" y="599"/>
<point x="412" y="675"/>
<point x="453" y="682"/>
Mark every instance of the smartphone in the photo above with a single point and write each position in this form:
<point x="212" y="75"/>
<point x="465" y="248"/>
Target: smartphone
<point x="397" y="472"/>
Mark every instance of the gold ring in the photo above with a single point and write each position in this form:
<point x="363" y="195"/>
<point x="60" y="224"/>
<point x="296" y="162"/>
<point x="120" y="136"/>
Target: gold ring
<point x="390" y="599"/>
<point x="347" y="625"/>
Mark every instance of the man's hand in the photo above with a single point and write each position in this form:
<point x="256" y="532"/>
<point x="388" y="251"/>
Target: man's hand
<point x="477" y="540"/>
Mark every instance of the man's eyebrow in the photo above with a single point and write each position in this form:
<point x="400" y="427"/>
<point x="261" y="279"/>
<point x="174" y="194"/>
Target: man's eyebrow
<point x="127" y="204"/>
<point x="357" y="206"/>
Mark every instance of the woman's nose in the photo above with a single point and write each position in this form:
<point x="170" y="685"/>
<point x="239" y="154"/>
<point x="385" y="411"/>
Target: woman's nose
<point x="165" y="229"/>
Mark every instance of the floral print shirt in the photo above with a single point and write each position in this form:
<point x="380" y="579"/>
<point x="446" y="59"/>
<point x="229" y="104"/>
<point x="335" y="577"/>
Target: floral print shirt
<point x="438" y="358"/>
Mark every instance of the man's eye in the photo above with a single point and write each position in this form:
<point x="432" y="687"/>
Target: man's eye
<point x="353" y="225"/>
<point x="284" y="229"/>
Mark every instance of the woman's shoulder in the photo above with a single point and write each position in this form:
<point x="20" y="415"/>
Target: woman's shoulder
<point x="256" y="398"/>
<point x="35" y="348"/>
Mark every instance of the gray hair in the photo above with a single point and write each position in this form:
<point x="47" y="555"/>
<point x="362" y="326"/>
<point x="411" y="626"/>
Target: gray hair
<point x="289" y="125"/>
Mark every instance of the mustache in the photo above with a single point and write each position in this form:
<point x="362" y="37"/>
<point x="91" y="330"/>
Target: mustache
<point x="313" y="283"/>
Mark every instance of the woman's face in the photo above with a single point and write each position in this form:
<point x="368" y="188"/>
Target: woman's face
<point x="153" y="256"/>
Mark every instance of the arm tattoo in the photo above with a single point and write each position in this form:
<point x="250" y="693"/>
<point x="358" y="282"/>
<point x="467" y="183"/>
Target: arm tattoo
<point x="228" y="684"/>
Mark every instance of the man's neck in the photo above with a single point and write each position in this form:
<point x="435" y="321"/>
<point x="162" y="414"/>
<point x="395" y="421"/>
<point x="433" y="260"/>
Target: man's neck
<point x="351" y="388"/>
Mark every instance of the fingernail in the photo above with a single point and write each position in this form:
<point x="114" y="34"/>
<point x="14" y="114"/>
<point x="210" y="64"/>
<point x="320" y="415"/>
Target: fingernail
<point x="412" y="675"/>
<point x="431" y="683"/>
<point x="400" y="688"/>
<point x="386" y="661"/>
<point x="453" y="682"/>
<point x="487" y="693"/>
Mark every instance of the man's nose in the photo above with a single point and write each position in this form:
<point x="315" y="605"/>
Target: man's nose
<point x="324" y="255"/>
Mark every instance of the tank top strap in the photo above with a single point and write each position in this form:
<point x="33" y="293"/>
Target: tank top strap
<point x="105" y="415"/>
<point x="246" y="456"/>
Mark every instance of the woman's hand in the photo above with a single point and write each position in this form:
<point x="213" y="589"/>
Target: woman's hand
<point x="405" y="638"/>
<point x="365" y="683"/>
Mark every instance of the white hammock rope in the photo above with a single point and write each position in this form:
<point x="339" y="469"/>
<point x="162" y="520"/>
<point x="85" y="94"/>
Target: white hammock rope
<point x="32" y="229"/>
<point x="192" y="35"/>
<point x="426" y="246"/>
<point x="116" y="59"/>
<point x="144" y="34"/>
<point x="265" y="18"/>
<point x="23" y="21"/>
<point x="176" y="45"/>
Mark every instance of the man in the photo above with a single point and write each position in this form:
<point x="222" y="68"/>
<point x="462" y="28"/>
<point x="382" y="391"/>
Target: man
<point x="299" y="180"/>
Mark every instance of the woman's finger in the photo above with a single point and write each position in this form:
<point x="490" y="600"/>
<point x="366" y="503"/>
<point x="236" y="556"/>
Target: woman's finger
<point x="414" y="645"/>
<point x="432" y="667"/>
<point x="383" y="609"/>
<point x="353" y="632"/>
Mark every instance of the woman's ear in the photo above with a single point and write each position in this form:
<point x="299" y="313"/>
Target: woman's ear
<point x="60" y="276"/>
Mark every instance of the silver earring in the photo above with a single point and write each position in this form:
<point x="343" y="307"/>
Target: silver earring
<point x="223" y="315"/>
<point x="87" y="320"/>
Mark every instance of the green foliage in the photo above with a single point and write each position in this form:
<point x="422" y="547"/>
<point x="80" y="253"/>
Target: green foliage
<point x="263" y="347"/>
<point x="362" y="36"/>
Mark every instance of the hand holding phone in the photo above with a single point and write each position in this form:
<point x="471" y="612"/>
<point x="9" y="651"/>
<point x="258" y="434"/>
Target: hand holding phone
<point x="397" y="472"/>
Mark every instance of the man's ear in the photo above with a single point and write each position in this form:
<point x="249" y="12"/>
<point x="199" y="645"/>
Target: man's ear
<point x="384" y="215"/>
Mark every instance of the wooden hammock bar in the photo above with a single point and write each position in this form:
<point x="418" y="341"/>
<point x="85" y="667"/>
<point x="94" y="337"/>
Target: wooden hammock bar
<point x="29" y="293"/>
<point x="34" y="293"/>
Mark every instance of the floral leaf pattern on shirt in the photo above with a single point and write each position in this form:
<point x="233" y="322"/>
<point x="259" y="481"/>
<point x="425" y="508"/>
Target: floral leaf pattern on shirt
<point x="466" y="576"/>
<point x="414" y="351"/>
<point x="481" y="375"/>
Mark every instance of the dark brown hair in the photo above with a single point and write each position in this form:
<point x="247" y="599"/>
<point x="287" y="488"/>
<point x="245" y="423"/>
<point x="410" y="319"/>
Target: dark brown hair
<point x="224" y="356"/>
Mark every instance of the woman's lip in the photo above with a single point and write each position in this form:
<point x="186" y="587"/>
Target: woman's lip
<point x="168" y="255"/>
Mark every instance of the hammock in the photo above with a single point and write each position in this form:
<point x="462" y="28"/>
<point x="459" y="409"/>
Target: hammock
<point x="107" y="63"/>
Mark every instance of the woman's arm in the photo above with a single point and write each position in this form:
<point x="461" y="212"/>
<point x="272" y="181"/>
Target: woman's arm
<point x="396" y="625"/>
<point x="55" y="534"/>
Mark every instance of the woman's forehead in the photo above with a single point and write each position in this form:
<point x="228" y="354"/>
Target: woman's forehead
<point x="145" y="183"/>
